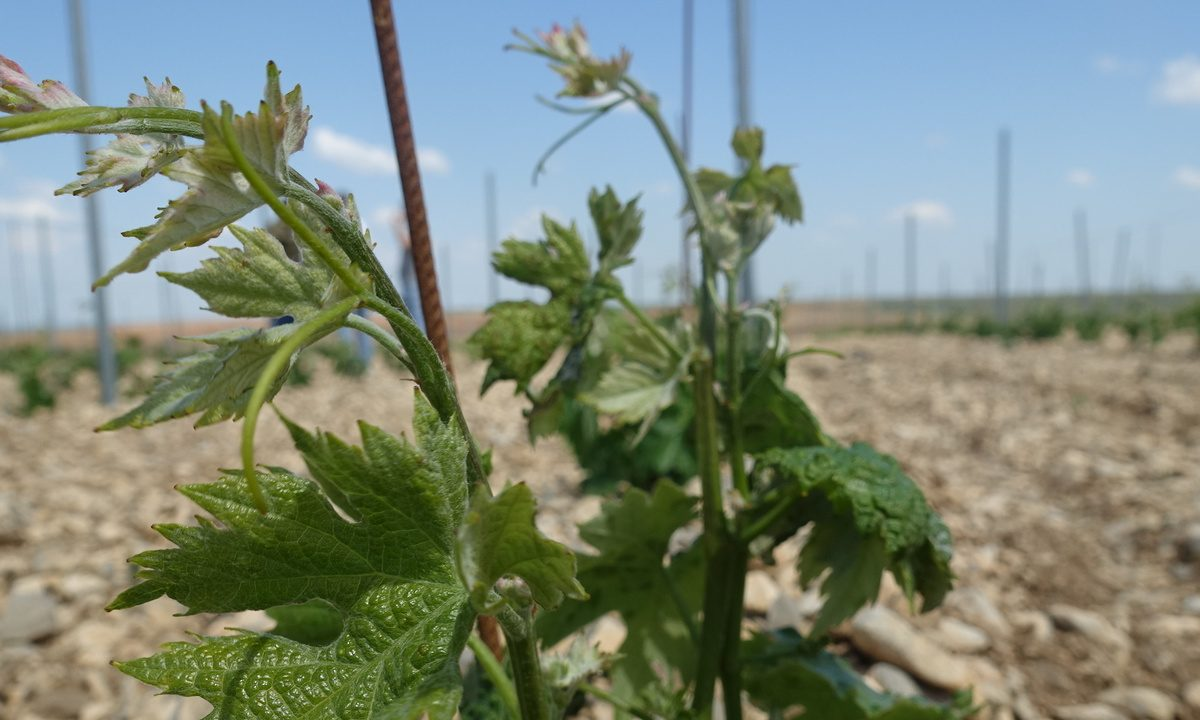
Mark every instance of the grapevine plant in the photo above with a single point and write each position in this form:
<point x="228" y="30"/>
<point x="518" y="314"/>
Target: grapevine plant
<point x="376" y="563"/>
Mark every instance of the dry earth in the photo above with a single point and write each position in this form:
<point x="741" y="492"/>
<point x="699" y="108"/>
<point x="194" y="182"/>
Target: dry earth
<point x="1069" y="475"/>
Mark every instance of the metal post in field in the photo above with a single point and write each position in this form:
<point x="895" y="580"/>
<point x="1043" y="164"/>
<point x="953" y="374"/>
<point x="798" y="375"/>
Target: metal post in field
<point x="1083" y="256"/>
<point x="1003" y="158"/>
<point x="16" y="274"/>
<point x="869" y="284"/>
<point x="1120" y="262"/>
<point x="685" y="143"/>
<point x="741" y="75"/>
<point x="910" y="268"/>
<point x="49" y="297"/>
<point x="104" y="343"/>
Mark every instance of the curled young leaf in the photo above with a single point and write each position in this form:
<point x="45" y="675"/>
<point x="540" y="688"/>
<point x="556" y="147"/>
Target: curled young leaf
<point x="499" y="540"/>
<point x="867" y="517"/>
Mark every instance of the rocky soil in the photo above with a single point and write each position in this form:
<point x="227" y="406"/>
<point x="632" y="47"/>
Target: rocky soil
<point x="1068" y="473"/>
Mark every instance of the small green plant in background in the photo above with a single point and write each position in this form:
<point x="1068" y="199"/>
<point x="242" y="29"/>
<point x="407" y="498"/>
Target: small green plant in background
<point x="376" y="562"/>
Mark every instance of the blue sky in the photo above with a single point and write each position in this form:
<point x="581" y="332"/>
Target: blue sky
<point x="882" y="108"/>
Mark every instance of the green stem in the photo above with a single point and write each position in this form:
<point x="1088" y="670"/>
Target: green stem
<point x="750" y="533"/>
<point x="137" y="120"/>
<point x="733" y="387"/>
<point x="595" y="115"/>
<point x="698" y="204"/>
<point x="617" y="702"/>
<point x="495" y="672"/>
<point x="350" y="239"/>
<point x="325" y="321"/>
<point x="426" y="366"/>
<point x="714" y="539"/>
<point x="434" y="380"/>
<point x="523" y="659"/>
<point x="731" y="670"/>
<point x="269" y="196"/>
<point x="389" y="342"/>
<point x="652" y="327"/>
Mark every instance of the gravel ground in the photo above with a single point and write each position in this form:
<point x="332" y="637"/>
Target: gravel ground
<point x="1068" y="473"/>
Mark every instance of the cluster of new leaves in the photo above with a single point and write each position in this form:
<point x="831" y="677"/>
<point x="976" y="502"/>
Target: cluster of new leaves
<point x="745" y="206"/>
<point x="571" y="57"/>
<point x="257" y="281"/>
<point x="783" y="671"/>
<point x="218" y="194"/>
<point x="867" y="516"/>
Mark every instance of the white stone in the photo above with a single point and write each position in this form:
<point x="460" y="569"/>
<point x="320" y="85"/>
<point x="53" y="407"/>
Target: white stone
<point x="761" y="592"/>
<point x="1089" y="711"/>
<point x="29" y="615"/>
<point x="956" y="635"/>
<point x="977" y="608"/>
<point x="894" y="680"/>
<point x="1191" y="694"/>
<point x="1144" y="703"/>
<point x="1091" y="625"/>
<point x="883" y="635"/>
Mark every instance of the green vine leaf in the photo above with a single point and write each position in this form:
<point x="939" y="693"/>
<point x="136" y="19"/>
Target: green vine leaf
<point x="499" y="539"/>
<point x="519" y="338"/>
<point x="217" y="193"/>
<point x="628" y="575"/>
<point x="391" y="577"/>
<point x="645" y="381"/>
<point x="867" y="516"/>
<point x="216" y="382"/>
<point x="130" y="160"/>
<point x="260" y="281"/>
<point x="782" y="672"/>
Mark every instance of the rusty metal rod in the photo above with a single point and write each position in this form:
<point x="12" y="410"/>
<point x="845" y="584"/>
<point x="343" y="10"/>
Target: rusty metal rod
<point x="410" y="178"/>
<point x="418" y="222"/>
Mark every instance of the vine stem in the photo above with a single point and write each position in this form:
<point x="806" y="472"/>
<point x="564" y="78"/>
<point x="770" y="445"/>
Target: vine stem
<point x="523" y="659"/>
<point x="495" y="671"/>
<point x="326" y="320"/>
<point x="733" y="387"/>
<point x="388" y="342"/>
<point x="714" y="538"/>
<point x="269" y="196"/>
<point x="652" y="327"/>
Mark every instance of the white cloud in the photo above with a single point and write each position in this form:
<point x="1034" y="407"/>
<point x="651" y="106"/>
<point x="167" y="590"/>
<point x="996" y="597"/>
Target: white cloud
<point x="528" y="225"/>
<point x="362" y="157"/>
<point x="36" y="200"/>
<point x="433" y="161"/>
<point x="1180" y="81"/>
<point x="929" y="212"/>
<point x="1081" y="177"/>
<point x="1188" y="176"/>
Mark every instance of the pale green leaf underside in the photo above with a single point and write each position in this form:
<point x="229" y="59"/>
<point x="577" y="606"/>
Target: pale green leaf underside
<point x="499" y="539"/>
<point x="260" y="280"/>
<point x="217" y="193"/>
<point x="130" y="160"/>
<point x="215" y="382"/>
<point x="391" y="576"/>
